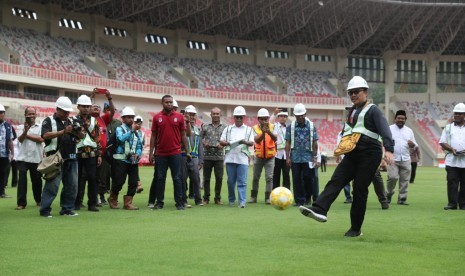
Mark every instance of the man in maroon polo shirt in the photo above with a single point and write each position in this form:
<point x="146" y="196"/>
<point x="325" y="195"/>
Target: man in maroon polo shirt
<point x="168" y="133"/>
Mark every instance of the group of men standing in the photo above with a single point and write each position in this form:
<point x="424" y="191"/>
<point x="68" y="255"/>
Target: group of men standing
<point x="90" y="155"/>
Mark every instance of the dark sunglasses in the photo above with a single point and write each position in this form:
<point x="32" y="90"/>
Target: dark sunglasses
<point x="354" y="92"/>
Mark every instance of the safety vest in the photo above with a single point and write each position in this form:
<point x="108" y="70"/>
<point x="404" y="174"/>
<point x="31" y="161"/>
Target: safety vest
<point x="360" y="125"/>
<point x="244" y="149"/>
<point x="267" y="147"/>
<point x="88" y="141"/>
<point x="54" y="142"/>
<point x="194" y="149"/>
<point x="128" y="146"/>
<point x="310" y="134"/>
<point x="281" y="145"/>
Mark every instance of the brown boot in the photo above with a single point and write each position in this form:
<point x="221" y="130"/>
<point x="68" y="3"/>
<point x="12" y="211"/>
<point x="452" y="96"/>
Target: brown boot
<point x="113" y="201"/>
<point x="128" y="203"/>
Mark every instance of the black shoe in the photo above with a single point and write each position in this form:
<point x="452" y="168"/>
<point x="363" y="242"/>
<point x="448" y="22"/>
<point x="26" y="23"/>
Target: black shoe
<point x="348" y="200"/>
<point x="180" y="207"/>
<point x="158" y="207"/>
<point x="353" y="234"/>
<point x="452" y="207"/>
<point x="384" y="205"/>
<point x="46" y="215"/>
<point x="68" y="213"/>
<point x="309" y="212"/>
<point x="402" y="203"/>
<point x="93" y="209"/>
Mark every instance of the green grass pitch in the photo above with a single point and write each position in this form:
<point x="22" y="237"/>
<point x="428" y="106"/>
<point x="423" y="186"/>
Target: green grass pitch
<point x="419" y="239"/>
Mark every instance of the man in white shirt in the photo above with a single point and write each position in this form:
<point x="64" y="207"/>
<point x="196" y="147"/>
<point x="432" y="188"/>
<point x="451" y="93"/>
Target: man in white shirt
<point x="237" y="139"/>
<point x="404" y="139"/>
<point x="29" y="156"/>
<point x="453" y="142"/>
<point x="280" y="158"/>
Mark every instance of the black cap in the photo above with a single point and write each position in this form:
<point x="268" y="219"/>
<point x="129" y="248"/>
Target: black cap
<point x="401" y="112"/>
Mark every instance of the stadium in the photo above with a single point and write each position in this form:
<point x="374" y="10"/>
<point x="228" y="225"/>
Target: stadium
<point x="254" y="53"/>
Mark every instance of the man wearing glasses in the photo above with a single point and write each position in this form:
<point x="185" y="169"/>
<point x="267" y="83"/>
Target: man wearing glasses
<point x="237" y="139"/>
<point x="367" y="122"/>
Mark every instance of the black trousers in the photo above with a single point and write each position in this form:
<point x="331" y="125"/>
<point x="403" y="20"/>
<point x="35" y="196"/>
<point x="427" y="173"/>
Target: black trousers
<point x="14" y="173"/>
<point x="153" y="188"/>
<point x="360" y="166"/>
<point x="36" y="180"/>
<point x="413" y="172"/>
<point x="217" y="166"/>
<point x="456" y="186"/>
<point x="4" y="167"/>
<point x="378" y="185"/>
<point x="120" y="170"/>
<point x="280" y="166"/>
<point x="104" y="173"/>
<point x="87" y="170"/>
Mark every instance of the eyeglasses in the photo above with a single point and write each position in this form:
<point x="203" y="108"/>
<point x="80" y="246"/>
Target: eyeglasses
<point x="459" y="113"/>
<point x="354" y="92"/>
<point x="239" y="117"/>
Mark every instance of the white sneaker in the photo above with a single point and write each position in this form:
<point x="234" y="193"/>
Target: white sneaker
<point x="242" y="205"/>
<point x="308" y="212"/>
<point x="151" y="206"/>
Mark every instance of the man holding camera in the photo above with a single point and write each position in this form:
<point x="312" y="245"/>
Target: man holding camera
<point x="265" y="136"/>
<point x="88" y="155"/>
<point x="60" y="135"/>
<point x="29" y="156"/>
<point x="126" y="159"/>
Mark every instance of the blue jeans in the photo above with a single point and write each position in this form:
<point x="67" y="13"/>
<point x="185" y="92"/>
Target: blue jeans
<point x="161" y="167"/>
<point x="237" y="173"/>
<point x="69" y="176"/>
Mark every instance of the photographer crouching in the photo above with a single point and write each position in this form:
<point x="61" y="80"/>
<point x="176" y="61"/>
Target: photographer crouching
<point x="59" y="135"/>
<point x="126" y="160"/>
<point x="88" y="154"/>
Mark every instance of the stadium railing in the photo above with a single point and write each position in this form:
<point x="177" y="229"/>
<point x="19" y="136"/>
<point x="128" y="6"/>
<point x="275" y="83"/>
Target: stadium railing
<point x="64" y="77"/>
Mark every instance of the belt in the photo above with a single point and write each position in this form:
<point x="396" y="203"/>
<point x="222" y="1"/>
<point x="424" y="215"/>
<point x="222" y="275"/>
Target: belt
<point x="86" y="154"/>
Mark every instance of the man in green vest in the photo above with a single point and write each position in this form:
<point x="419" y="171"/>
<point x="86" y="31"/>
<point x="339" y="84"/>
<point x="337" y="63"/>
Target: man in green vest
<point x="88" y="155"/>
<point x="191" y="166"/>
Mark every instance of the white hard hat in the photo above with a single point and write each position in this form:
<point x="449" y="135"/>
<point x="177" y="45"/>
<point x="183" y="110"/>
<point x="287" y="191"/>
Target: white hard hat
<point x="138" y="118"/>
<point x="2" y="108"/>
<point x="84" y="100"/>
<point x="127" y="111"/>
<point x="263" y="113"/>
<point x="191" y="109"/>
<point x="282" y="113"/>
<point x="65" y="104"/>
<point x="239" y="111"/>
<point x="357" y="82"/>
<point x="175" y="103"/>
<point x="460" y="108"/>
<point x="299" y="109"/>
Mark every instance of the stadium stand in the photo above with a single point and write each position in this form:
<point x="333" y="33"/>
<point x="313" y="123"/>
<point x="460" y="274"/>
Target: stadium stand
<point x="41" y="51"/>
<point x="303" y="82"/>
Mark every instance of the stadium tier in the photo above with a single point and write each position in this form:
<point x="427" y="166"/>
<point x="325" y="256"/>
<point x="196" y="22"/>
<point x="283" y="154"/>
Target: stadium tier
<point x="67" y="55"/>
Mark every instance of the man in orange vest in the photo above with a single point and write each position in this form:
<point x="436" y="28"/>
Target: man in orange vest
<point x="265" y="136"/>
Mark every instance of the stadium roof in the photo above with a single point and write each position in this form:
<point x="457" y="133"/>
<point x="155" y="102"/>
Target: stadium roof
<point x="363" y="27"/>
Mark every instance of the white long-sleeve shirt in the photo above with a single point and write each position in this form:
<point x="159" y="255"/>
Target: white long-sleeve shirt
<point x="400" y="137"/>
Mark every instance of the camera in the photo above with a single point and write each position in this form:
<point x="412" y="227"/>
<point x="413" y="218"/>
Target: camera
<point x="76" y="124"/>
<point x="100" y="90"/>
